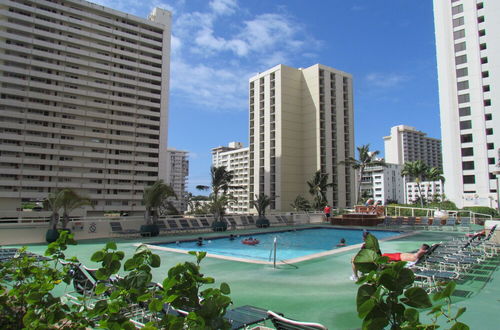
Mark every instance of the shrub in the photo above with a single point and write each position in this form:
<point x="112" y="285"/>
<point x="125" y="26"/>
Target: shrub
<point x="482" y="210"/>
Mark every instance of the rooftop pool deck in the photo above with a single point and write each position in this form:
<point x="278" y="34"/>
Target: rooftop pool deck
<point x="319" y="289"/>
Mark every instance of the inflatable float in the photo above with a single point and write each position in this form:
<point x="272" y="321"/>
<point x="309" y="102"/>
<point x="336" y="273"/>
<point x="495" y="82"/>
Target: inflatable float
<point x="250" y="241"/>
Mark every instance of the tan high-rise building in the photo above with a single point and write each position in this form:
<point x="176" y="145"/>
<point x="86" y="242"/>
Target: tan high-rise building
<point x="407" y="144"/>
<point x="177" y="174"/>
<point x="301" y="121"/>
<point x="235" y="158"/>
<point x="83" y="102"/>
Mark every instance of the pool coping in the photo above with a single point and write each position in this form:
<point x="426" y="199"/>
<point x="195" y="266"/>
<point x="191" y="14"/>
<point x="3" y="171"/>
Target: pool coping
<point x="281" y="262"/>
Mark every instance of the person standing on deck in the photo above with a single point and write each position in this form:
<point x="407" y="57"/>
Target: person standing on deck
<point x="327" y="211"/>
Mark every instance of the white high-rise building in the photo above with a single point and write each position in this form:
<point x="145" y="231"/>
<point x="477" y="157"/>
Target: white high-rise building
<point x="383" y="183"/>
<point x="430" y="190"/>
<point x="83" y="102"/>
<point x="407" y="144"/>
<point x="178" y="171"/>
<point x="235" y="158"/>
<point x="468" y="59"/>
<point x="301" y="121"/>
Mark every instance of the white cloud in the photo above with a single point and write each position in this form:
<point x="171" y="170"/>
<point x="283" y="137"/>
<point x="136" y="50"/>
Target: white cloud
<point x="386" y="80"/>
<point x="223" y="7"/>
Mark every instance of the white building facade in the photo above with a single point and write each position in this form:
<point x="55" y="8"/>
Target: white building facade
<point x="177" y="176"/>
<point x="83" y="102"/>
<point x="383" y="183"/>
<point x="235" y="158"/>
<point x="468" y="59"/>
<point x="301" y="121"/>
<point x="432" y="191"/>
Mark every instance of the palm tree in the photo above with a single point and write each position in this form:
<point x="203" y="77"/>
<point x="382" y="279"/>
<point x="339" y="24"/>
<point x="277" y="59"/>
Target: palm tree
<point x="434" y="174"/>
<point x="300" y="204"/>
<point x="417" y="171"/>
<point x="70" y="201"/>
<point x="53" y="203"/>
<point x="219" y="198"/>
<point x="261" y="202"/>
<point x="153" y="198"/>
<point x="366" y="159"/>
<point x="317" y="188"/>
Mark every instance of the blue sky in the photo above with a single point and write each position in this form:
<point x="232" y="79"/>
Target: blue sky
<point x="387" y="45"/>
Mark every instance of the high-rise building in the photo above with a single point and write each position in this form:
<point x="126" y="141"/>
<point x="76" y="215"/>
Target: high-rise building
<point x="178" y="171"/>
<point x="301" y="121"/>
<point x="406" y="144"/>
<point x="468" y="61"/>
<point x="83" y="102"/>
<point x="383" y="183"/>
<point x="235" y="158"/>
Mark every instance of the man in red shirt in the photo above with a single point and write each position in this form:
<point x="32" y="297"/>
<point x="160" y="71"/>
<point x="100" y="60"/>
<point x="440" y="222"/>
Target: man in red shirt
<point x="327" y="211"/>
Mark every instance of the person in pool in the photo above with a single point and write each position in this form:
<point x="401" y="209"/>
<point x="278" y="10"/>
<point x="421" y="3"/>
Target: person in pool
<point x="200" y="241"/>
<point x="341" y="242"/>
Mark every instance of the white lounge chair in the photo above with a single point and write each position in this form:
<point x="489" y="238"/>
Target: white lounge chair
<point x="282" y="323"/>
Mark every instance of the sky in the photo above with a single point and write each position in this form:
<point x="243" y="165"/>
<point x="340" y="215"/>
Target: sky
<point x="387" y="45"/>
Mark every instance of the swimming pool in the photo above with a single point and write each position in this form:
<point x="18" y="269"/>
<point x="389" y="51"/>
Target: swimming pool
<point x="292" y="245"/>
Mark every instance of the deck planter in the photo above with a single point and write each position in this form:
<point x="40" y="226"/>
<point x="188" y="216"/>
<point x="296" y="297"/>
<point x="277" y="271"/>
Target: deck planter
<point x="53" y="234"/>
<point x="151" y="230"/>
<point x="262" y="222"/>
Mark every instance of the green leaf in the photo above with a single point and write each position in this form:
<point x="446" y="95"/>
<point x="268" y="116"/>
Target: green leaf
<point x="155" y="261"/>
<point x="98" y="256"/>
<point x="110" y="245"/>
<point x="120" y="255"/>
<point x="365" y="292"/>
<point x="460" y="312"/>
<point x="155" y="305"/>
<point x="102" y="274"/>
<point x="100" y="288"/>
<point x="365" y="260"/>
<point x="224" y="288"/>
<point x="114" y="267"/>
<point x="377" y="319"/>
<point x="192" y="253"/>
<point x="460" y="326"/>
<point x="411" y="315"/>
<point x="417" y="297"/>
<point x="449" y="289"/>
<point x="144" y="297"/>
<point x="130" y="264"/>
<point x="366" y="307"/>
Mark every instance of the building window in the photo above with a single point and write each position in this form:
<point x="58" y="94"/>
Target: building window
<point x="480" y="19"/>
<point x="462" y="72"/>
<point x="461" y="85"/>
<point x="482" y="33"/>
<point x="482" y="46"/>
<point x="466" y="138"/>
<point x="490" y="146"/>
<point x="486" y="88"/>
<point x="460" y="59"/>
<point x="491" y="161"/>
<point x="468" y="165"/>
<point x="489" y="131"/>
<point x="459" y="34"/>
<point x="457" y="9"/>
<point x="469" y="179"/>
<point x="487" y="103"/>
<point x="484" y="60"/>
<point x="480" y="5"/>
<point x="488" y="116"/>
<point x="467" y="152"/>
<point x="460" y="47"/>
<point x="458" y="21"/>
<point x="464" y="98"/>
<point x="465" y="111"/>
<point x="485" y="74"/>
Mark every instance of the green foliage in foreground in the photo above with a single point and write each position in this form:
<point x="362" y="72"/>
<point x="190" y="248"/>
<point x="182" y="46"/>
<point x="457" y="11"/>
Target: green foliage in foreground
<point x="26" y="299"/>
<point x="387" y="297"/>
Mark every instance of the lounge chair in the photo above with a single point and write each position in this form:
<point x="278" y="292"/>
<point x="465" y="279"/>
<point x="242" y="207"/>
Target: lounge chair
<point x="465" y="224"/>
<point x="283" y="323"/>
<point x="409" y="222"/>
<point x="231" y="222"/>
<point x="185" y="225"/>
<point x="435" y="225"/>
<point x="116" y="228"/>
<point x="450" y="223"/>
<point x="195" y="224"/>
<point x="162" y="226"/>
<point x="398" y="222"/>
<point x="387" y="222"/>
<point x="173" y="225"/>
<point x="205" y="223"/>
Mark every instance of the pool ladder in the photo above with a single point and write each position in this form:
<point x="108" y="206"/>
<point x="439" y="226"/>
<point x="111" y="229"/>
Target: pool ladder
<point x="273" y="251"/>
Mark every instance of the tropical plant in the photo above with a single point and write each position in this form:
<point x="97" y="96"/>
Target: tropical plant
<point x="434" y="174"/>
<point x="53" y="203"/>
<point x="301" y="204"/>
<point x="387" y="297"/>
<point x="69" y="201"/>
<point x="154" y="197"/>
<point x="366" y="158"/>
<point x="318" y="186"/>
<point x="261" y="202"/>
<point x="416" y="171"/>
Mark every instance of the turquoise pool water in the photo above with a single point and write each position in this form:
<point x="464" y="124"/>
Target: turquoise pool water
<point x="290" y="244"/>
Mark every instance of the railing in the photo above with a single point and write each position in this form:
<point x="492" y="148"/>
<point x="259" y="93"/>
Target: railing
<point x="429" y="212"/>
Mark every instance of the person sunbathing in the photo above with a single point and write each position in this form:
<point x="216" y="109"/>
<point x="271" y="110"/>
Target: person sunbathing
<point x="411" y="257"/>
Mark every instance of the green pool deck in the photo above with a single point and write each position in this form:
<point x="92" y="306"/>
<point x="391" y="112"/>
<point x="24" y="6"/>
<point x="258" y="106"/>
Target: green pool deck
<point x="317" y="290"/>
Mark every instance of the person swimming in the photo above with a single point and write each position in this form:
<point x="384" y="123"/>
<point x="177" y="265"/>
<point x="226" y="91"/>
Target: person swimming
<point x="341" y="242"/>
<point x="231" y="237"/>
<point x="200" y="241"/>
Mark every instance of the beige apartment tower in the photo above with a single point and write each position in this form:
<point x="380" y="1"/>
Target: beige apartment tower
<point x="83" y="102"/>
<point x="301" y="121"/>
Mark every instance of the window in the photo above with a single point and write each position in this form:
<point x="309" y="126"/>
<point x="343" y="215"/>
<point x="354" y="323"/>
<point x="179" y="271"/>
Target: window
<point x="464" y="98"/>
<point x="487" y="103"/>
<point x="485" y="74"/>
<point x="490" y="146"/>
<point x="465" y="138"/>
<point x="468" y="165"/>
<point x="469" y="179"/>
<point x="457" y="9"/>
<point x="464" y="111"/>
<point x="482" y="46"/>
<point x="466" y="124"/>
<point x="489" y="131"/>
<point x="462" y="72"/>
<point x="488" y="116"/>
<point x="460" y="46"/>
<point x="467" y="152"/>
<point x="484" y="60"/>
<point x="458" y="21"/>
<point x="491" y="161"/>
<point x="481" y="33"/>
<point x="480" y="19"/>
<point x="486" y="88"/>
<point x="459" y="34"/>
<point x="460" y="59"/>
<point x="480" y="5"/>
<point x="461" y="85"/>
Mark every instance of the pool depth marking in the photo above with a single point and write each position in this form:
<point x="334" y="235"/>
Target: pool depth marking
<point x="281" y="262"/>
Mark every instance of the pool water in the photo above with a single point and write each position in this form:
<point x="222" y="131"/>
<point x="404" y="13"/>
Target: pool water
<point x="290" y="244"/>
